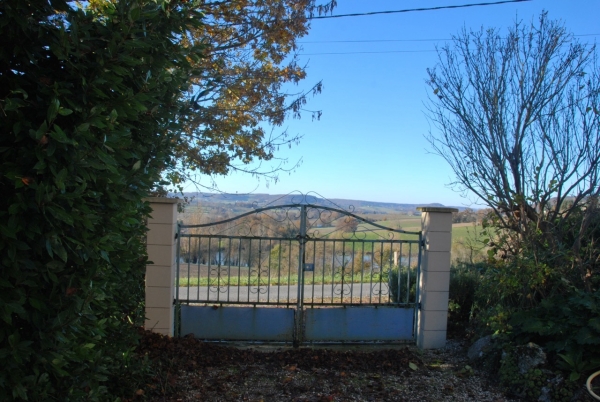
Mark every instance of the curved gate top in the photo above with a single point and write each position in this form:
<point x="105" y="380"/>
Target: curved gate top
<point x="297" y="272"/>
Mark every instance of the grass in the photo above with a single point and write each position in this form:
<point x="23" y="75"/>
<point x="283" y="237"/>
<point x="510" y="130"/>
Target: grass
<point x="459" y="233"/>
<point x="254" y="280"/>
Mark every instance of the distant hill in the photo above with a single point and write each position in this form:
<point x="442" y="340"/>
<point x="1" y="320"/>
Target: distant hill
<point x="242" y="201"/>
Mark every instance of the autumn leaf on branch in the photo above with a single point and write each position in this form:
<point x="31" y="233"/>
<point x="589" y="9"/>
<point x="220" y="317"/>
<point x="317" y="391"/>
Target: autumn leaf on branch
<point x="243" y="85"/>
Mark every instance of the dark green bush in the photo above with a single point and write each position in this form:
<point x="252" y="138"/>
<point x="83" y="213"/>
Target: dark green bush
<point x="407" y="278"/>
<point x="464" y="281"/>
<point x="565" y="325"/>
<point x="530" y="299"/>
<point x="87" y="127"/>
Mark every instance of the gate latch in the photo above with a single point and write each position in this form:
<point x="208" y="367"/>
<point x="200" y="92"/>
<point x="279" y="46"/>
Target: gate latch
<point x="309" y="267"/>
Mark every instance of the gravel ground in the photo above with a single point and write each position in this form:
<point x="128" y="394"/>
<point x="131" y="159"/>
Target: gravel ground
<point x="190" y="370"/>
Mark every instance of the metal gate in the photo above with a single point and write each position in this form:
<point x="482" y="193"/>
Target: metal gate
<point x="297" y="273"/>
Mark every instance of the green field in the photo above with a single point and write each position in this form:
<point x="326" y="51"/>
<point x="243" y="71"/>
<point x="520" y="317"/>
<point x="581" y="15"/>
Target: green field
<point x="255" y="280"/>
<point x="462" y="231"/>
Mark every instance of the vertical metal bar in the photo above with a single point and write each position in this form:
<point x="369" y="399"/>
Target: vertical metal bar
<point x="380" y="273"/>
<point x="208" y="268"/>
<point x="269" y="272"/>
<point x="299" y="313"/>
<point x="188" y="268"/>
<point x="259" y="269"/>
<point x="380" y="267"/>
<point x="239" y="263"/>
<point x="218" y="262"/>
<point x="408" y="269"/>
<point x="314" y="253"/>
<point x="362" y="268"/>
<point x="420" y="248"/>
<point x="323" y="245"/>
<point x="390" y="265"/>
<point x="343" y="270"/>
<point x="229" y="269"/>
<point x="176" y="323"/>
<point x="371" y="277"/>
<point x="199" y="269"/>
<point x="249" y="266"/>
<point x="408" y="272"/>
<point x="332" y="271"/>
<point x="289" y="270"/>
<point x="352" y="271"/>
<point x="279" y="272"/>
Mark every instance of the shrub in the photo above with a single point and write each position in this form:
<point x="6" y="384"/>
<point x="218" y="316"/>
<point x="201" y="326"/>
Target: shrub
<point x="464" y="281"/>
<point x="87" y="103"/>
<point x="407" y="279"/>
<point x="565" y="325"/>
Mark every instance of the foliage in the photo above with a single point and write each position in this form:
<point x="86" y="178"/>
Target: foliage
<point x="565" y="322"/>
<point x="464" y="281"/>
<point x="245" y="85"/>
<point x="402" y="282"/>
<point x="467" y="215"/>
<point x="518" y="115"/>
<point x="88" y="101"/>
<point x="529" y="385"/>
<point x="347" y="224"/>
<point x="565" y="325"/>
<point x="467" y="245"/>
<point x="577" y="364"/>
<point x="519" y="121"/>
<point x="538" y="276"/>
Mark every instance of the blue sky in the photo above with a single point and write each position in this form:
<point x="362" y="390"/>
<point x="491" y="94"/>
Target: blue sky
<point x="369" y="143"/>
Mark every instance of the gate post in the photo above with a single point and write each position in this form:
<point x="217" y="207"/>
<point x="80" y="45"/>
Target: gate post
<point x="160" y="275"/>
<point x="434" y="283"/>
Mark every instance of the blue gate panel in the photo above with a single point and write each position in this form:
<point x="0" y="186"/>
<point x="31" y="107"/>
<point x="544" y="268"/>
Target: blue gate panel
<point x="238" y="323"/>
<point x="359" y="324"/>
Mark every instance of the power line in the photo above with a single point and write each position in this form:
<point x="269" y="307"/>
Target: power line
<point x="370" y="52"/>
<point x="320" y="17"/>
<point x="397" y="40"/>
<point x="383" y="51"/>
<point x="373" y="40"/>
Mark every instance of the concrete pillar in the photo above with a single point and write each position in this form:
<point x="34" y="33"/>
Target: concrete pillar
<point x="160" y="274"/>
<point x="432" y="317"/>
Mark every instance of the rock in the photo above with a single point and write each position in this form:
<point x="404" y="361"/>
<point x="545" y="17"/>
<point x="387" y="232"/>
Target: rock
<point x="479" y="348"/>
<point x="546" y="395"/>
<point x="529" y="357"/>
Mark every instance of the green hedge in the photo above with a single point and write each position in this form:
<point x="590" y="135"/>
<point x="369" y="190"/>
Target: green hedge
<point x="87" y="103"/>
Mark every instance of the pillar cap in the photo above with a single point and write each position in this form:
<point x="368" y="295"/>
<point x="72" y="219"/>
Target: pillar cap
<point x="437" y="209"/>
<point x="162" y="200"/>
